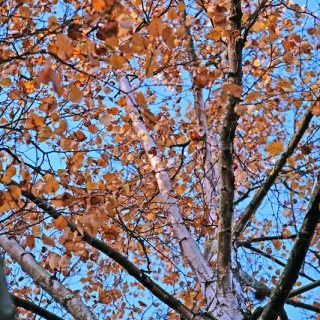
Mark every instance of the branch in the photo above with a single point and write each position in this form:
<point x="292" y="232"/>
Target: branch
<point x="6" y="310"/>
<point x="47" y="282"/>
<point x="147" y="282"/>
<point x="28" y="305"/>
<point x="256" y="201"/>
<point x="297" y="256"/>
<point x="247" y="245"/>
<point x="211" y="171"/>
<point x="302" y="305"/>
<point x="189" y="248"/>
<point x="305" y="288"/>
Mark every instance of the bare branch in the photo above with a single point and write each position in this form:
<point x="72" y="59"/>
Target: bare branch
<point x="28" y="305"/>
<point x="297" y="256"/>
<point x="258" y="198"/>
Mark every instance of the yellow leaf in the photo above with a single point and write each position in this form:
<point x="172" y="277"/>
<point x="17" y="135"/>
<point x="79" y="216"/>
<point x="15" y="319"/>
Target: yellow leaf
<point x="11" y="171"/>
<point x="252" y="96"/>
<point x="36" y="230"/>
<point x="44" y="134"/>
<point x="99" y="5"/>
<point x="256" y="63"/>
<point x="150" y="216"/>
<point x="181" y="6"/>
<point x="25" y="12"/>
<point x="275" y="147"/>
<point x="6" y="82"/>
<point x="234" y="89"/>
<point x="258" y="26"/>
<point x="53" y="23"/>
<point x="105" y="120"/>
<point x="47" y="241"/>
<point x="14" y="191"/>
<point x="215" y="33"/>
<point x="150" y="66"/>
<point x="155" y="27"/>
<point x="182" y="139"/>
<point x="192" y="147"/>
<point x="126" y="187"/>
<point x="117" y="61"/>
<point x="52" y="186"/>
<point x="76" y="94"/>
<point x="172" y="14"/>
<point x="60" y="223"/>
<point x="5" y="179"/>
<point x="92" y="185"/>
<point x="168" y="38"/>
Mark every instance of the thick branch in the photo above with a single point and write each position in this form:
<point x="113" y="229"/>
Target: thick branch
<point x="210" y="165"/>
<point x="28" y="305"/>
<point x="226" y="276"/>
<point x="154" y="288"/>
<point x="190" y="250"/>
<point x="6" y="309"/>
<point x="258" y="198"/>
<point x="297" y="256"/>
<point x="47" y="282"/>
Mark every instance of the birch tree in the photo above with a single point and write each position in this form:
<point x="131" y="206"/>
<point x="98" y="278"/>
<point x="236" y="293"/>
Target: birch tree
<point x="159" y="159"/>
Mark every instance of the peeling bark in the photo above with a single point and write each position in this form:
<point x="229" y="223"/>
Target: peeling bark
<point x="47" y="282"/>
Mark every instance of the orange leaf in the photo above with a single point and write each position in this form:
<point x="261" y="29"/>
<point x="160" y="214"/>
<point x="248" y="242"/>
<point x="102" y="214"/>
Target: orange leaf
<point x="155" y="27"/>
<point x="47" y="241"/>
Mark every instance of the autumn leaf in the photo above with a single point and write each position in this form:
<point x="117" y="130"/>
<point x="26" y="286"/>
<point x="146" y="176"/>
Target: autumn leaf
<point x="155" y="27"/>
<point x="6" y="82"/>
<point x="76" y="94"/>
<point x="274" y="148"/>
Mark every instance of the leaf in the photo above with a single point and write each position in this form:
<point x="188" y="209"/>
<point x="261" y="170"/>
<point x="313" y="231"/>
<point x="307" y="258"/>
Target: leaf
<point x="181" y="6"/>
<point x="277" y="244"/>
<point x="53" y="23"/>
<point x="252" y="96"/>
<point x="92" y="185"/>
<point x="6" y="82"/>
<point x="315" y="110"/>
<point x="101" y="5"/>
<point x="54" y="261"/>
<point x="192" y="147"/>
<point x="48" y="241"/>
<point x="14" y="191"/>
<point x="44" y="134"/>
<point x="274" y="148"/>
<point x="51" y="186"/>
<point x="76" y="94"/>
<point x="258" y="26"/>
<point x="116" y="61"/>
<point x="11" y="171"/>
<point x="30" y="241"/>
<point x="168" y="37"/>
<point x="155" y="27"/>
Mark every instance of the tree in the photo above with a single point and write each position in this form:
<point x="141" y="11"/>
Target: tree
<point x="159" y="159"/>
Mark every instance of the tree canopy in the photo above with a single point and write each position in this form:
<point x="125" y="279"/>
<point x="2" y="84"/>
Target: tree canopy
<point x="159" y="159"/>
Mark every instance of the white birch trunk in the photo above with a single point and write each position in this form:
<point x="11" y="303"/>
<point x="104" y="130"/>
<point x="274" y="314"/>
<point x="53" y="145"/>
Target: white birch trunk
<point x="190" y="250"/>
<point x="42" y="278"/>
